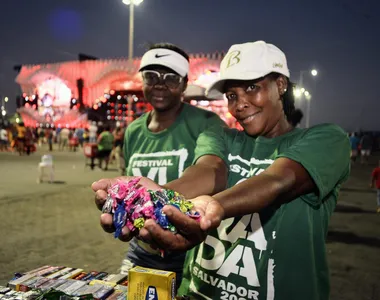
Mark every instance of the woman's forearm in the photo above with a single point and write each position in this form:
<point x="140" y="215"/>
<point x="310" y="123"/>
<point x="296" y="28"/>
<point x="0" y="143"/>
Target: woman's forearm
<point x="207" y="177"/>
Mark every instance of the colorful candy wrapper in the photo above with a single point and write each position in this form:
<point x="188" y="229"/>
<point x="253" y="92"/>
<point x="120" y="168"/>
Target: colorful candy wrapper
<point x="119" y="218"/>
<point x="108" y="206"/>
<point x="131" y="206"/>
<point x="138" y="223"/>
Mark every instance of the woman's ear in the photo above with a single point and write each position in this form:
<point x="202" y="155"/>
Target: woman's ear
<point x="282" y="84"/>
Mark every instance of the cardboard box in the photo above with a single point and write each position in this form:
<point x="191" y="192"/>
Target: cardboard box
<point x="118" y="295"/>
<point x="32" y="284"/>
<point x="103" y="293"/>
<point x="77" y="284"/>
<point x="145" y="283"/>
<point x="72" y="274"/>
<point x="37" y="270"/>
<point x="116" y="278"/>
<point x="80" y="276"/>
<point x="100" y="275"/>
<point x="54" y="284"/>
<point x="65" y="284"/>
<point x="101" y="282"/>
<point x="14" y="284"/>
<point x="60" y="273"/>
<point x="121" y="288"/>
<point x="89" y="276"/>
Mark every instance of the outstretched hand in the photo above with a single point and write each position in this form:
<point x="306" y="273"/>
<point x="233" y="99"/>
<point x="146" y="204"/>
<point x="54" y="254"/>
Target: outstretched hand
<point x="190" y="232"/>
<point x="101" y="187"/>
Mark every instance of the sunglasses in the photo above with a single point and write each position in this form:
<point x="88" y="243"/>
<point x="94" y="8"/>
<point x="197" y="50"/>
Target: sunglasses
<point x="152" y="78"/>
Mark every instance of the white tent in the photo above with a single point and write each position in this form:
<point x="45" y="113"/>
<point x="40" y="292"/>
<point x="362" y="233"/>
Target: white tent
<point x="196" y="92"/>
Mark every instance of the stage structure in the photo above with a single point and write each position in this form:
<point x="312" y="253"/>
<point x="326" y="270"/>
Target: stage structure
<point x="67" y="94"/>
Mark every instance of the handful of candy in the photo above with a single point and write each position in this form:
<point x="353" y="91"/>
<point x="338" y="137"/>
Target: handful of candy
<point x="131" y="206"/>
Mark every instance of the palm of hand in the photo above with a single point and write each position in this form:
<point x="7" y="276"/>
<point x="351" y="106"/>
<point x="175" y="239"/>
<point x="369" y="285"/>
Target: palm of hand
<point x="211" y="211"/>
<point x="190" y="232"/>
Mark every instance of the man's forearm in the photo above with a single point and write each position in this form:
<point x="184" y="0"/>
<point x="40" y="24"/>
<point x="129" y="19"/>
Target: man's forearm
<point x="207" y="177"/>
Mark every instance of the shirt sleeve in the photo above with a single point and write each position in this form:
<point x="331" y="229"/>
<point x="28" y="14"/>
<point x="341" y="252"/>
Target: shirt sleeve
<point x="324" y="151"/>
<point x="125" y="148"/>
<point x="215" y="120"/>
<point x="211" y="142"/>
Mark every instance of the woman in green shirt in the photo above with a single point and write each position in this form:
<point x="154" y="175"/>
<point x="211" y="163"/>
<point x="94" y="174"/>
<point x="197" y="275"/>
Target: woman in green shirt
<point x="264" y="236"/>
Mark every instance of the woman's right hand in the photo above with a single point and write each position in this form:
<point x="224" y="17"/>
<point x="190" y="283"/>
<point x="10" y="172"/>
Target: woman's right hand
<point x="101" y="187"/>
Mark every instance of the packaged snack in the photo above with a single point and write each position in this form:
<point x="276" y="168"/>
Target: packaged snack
<point x="145" y="283"/>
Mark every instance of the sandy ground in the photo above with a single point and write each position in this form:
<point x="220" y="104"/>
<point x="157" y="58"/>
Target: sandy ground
<point x="58" y="224"/>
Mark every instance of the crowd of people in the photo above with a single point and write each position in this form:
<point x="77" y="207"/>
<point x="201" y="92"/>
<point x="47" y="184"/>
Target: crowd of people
<point x="22" y="139"/>
<point x="362" y="145"/>
<point x="17" y="138"/>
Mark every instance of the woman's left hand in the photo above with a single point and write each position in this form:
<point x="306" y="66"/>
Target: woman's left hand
<point x="190" y="232"/>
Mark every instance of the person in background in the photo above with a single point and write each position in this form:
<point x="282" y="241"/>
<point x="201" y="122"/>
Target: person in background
<point x="64" y="135"/>
<point x="86" y="136"/>
<point x="375" y="183"/>
<point x="3" y="139"/>
<point x="41" y="136"/>
<point x="29" y="141"/>
<point x="366" y="144"/>
<point x="105" y="145"/>
<point x="118" y="146"/>
<point x="262" y="237"/>
<point x="93" y="132"/>
<point x="79" y="133"/>
<point x="50" y="138"/>
<point x="20" y="140"/>
<point x="354" y="142"/>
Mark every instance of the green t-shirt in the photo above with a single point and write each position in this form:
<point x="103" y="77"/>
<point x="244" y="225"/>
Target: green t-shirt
<point x="163" y="157"/>
<point x="105" y="141"/>
<point x="278" y="253"/>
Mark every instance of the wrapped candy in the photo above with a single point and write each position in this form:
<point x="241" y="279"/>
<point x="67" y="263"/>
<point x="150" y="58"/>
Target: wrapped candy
<point x="132" y="205"/>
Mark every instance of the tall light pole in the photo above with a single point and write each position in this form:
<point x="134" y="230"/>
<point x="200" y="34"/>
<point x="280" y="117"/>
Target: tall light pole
<point x="313" y="73"/>
<point x="132" y="4"/>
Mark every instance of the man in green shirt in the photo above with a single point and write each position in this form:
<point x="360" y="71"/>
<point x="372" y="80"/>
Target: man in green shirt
<point x="263" y="237"/>
<point x="160" y="144"/>
<point x="105" y="145"/>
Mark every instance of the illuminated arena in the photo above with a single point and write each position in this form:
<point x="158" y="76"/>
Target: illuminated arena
<point x="69" y="94"/>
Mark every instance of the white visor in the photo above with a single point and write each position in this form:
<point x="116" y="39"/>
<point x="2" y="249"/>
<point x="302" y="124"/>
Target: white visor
<point x="166" y="58"/>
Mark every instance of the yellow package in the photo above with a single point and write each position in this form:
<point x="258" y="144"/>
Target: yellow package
<point x="101" y="282"/>
<point x="151" y="284"/>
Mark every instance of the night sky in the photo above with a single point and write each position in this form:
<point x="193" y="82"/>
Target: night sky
<point x="340" y="38"/>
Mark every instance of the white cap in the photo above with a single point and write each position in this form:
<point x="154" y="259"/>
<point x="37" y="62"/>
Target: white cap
<point x="249" y="61"/>
<point x="166" y="58"/>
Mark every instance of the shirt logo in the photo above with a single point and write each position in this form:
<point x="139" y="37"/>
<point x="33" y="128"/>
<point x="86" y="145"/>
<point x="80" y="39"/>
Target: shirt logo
<point x="162" y="55"/>
<point x="151" y="293"/>
<point x="159" y="165"/>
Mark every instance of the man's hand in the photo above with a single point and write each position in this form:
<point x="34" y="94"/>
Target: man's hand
<point x="101" y="187"/>
<point x="190" y="232"/>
